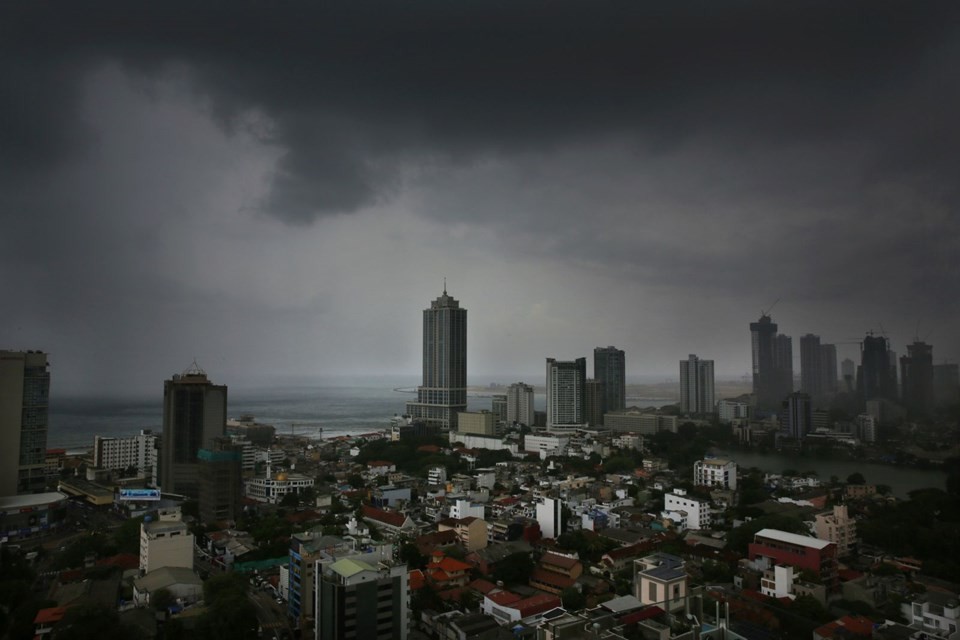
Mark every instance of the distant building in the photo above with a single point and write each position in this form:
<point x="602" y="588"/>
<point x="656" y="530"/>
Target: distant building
<point x="443" y="393"/>
<point x="520" y="407"/>
<point x="828" y="368"/>
<point x="194" y="413"/>
<point x="498" y="406"/>
<point x="715" y="472"/>
<point x="480" y="423"/>
<point x="609" y="368"/>
<point x="946" y="384"/>
<point x="273" y="487"/>
<point x="874" y="377"/>
<point x="811" y="367"/>
<point x="594" y="400"/>
<point x="694" y="512"/>
<point x="165" y="542"/>
<point x="566" y="386"/>
<point x="696" y="386"/>
<point x="638" y="421"/>
<point x="769" y="368"/>
<point x="24" y="403"/>
<point x="866" y="428"/>
<point x="139" y="451"/>
<point x="916" y="377"/>
<point x="797" y="416"/>
<point x="731" y="410"/>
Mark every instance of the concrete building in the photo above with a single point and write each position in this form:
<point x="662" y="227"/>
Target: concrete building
<point x="437" y="476"/>
<point x="772" y="364"/>
<point x="609" y="368"/>
<point x="838" y="527"/>
<point x="520" y="404"/>
<point x="549" y="518"/>
<point x="802" y="552"/>
<point x="715" y="472"/>
<point x="635" y="420"/>
<point x="694" y="513"/>
<point x="140" y="451"/>
<point x="660" y="579"/>
<point x="696" y="386"/>
<point x="554" y="444"/>
<point x="916" y="379"/>
<point x="796" y="418"/>
<point x="359" y="599"/>
<point x="876" y="376"/>
<point x="220" y="474"/>
<point x="935" y="613"/>
<point x="194" y="413"/>
<point x="594" y="400"/>
<point x="946" y="384"/>
<point x="165" y="542"/>
<point x="443" y="393"/>
<point x="273" y="487"/>
<point x="471" y="531"/>
<point x="730" y="410"/>
<point x="498" y="406"/>
<point x="24" y="402"/>
<point x="480" y="423"/>
<point x="778" y="580"/>
<point x="566" y="387"/>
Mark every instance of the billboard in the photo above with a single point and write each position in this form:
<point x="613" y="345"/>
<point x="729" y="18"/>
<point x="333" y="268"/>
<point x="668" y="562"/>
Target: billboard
<point x="139" y="494"/>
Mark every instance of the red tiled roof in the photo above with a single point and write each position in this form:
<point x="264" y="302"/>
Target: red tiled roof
<point x="558" y="561"/>
<point x="438" y="575"/>
<point x="416" y="579"/>
<point x="125" y="561"/>
<point x="643" y="614"/>
<point x="393" y="518"/>
<point x="50" y="616"/>
<point x="483" y="586"/>
<point x="855" y="625"/>
<point x="379" y="463"/>
<point x="450" y="594"/>
<point x="556" y="580"/>
<point x="504" y="598"/>
<point x="429" y="448"/>
<point x="537" y="604"/>
<point x="451" y="565"/>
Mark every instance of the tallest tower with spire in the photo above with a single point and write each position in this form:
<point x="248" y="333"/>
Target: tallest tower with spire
<point x="443" y="392"/>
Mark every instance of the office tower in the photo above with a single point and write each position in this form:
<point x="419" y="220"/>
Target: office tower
<point x="24" y="402"/>
<point x="916" y="376"/>
<point x="140" y="451"/>
<point x="358" y="598"/>
<point x="520" y="407"/>
<point x="444" y="390"/>
<point x="194" y="413"/>
<point x="873" y="377"/>
<point x="566" y="386"/>
<point x="696" y="386"/>
<point x="609" y="367"/>
<point x="498" y="406"/>
<point x="765" y="385"/>
<point x="594" y="398"/>
<point x="848" y="369"/>
<point x="480" y="423"/>
<point x="946" y="384"/>
<point x="549" y="517"/>
<point x="828" y="368"/>
<point x="220" y="473"/>
<point x="796" y="419"/>
<point x="811" y="365"/>
<point x="783" y="361"/>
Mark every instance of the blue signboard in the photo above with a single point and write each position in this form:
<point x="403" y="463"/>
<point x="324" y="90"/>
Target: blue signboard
<point x="139" y="494"/>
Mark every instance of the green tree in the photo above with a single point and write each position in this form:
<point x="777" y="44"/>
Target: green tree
<point x="572" y="599"/>
<point x="514" y="569"/>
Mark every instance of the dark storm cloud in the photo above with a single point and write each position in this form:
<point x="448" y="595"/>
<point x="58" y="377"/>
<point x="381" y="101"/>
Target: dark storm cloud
<point x="351" y="92"/>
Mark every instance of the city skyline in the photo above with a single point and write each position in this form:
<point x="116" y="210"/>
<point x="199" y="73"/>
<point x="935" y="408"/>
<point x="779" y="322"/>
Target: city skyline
<point x="269" y="201"/>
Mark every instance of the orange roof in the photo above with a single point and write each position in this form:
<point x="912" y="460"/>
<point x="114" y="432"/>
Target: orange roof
<point x="536" y="604"/>
<point x="558" y="561"/>
<point x="416" y="579"/>
<point x="557" y="580"/>
<point x="52" y="615"/>
<point x="392" y="518"/>
<point x="503" y="598"/>
<point x="452" y="565"/>
<point x="483" y="586"/>
<point x="855" y="625"/>
<point x="379" y="463"/>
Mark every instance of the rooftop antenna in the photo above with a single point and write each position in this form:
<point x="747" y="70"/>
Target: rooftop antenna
<point x="444" y="285"/>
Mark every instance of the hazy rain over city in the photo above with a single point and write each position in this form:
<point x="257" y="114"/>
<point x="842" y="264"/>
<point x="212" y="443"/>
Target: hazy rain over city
<point x="279" y="189"/>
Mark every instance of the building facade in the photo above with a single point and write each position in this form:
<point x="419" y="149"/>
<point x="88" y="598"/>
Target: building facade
<point x="165" y="542"/>
<point x="803" y="552"/>
<point x="696" y="386"/>
<point x="357" y="599"/>
<point x="194" y="413"/>
<point x="480" y="423"/>
<point x="220" y="473"/>
<point x="838" y="527"/>
<point x="140" y="451"/>
<point x="594" y="399"/>
<point x="443" y="393"/>
<point x="609" y="367"/>
<point x="520" y="407"/>
<point x="772" y="369"/>
<point x="796" y="418"/>
<point x="566" y="388"/>
<point x="24" y="404"/>
<point x="549" y="518"/>
<point x="916" y="379"/>
<point x="875" y="379"/>
<point x="715" y="472"/>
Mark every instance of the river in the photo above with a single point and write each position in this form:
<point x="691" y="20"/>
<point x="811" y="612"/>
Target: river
<point x="901" y="480"/>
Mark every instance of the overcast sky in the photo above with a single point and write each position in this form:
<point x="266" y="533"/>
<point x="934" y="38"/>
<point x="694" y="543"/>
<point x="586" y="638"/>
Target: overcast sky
<point x="279" y="188"/>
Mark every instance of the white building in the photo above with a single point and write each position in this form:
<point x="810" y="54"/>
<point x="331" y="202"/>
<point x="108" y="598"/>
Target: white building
<point x="694" y="512"/>
<point x="520" y="407"/>
<point x="696" y="386"/>
<point x="715" y="472"/>
<point x="272" y="488"/>
<point x="660" y="579"/>
<point x="628" y="441"/>
<point x="165" y="542"/>
<point x="138" y="451"/>
<point x="777" y="582"/>
<point x="548" y="517"/>
<point x="730" y="411"/>
<point x="472" y="441"/>
<point x="838" y="527"/>
<point x="465" y="508"/>
<point x="566" y="389"/>
<point x="935" y="613"/>
<point x="547" y="445"/>
<point x="437" y="475"/>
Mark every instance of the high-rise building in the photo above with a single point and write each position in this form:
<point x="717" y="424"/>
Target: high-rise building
<point x="873" y="377"/>
<point x="828" y="368"/>
<point x="566" y="387"/>
<point x="811" y="365"/>
<point x="916" y="377"/>
<point x="696" y="386"/>
<point x="498" y="406"/>
<point x="594" y="399"/>
<point x="220" y="473"/>
<point x="194" y="413"/>
<point x="848" y="369"/>
<point x="24" y="402"/>
<point x="357" y="598"/>
<point x="946" y="384"/>
<point x="520" y="406"/>
<point x="609" y="367"/>
<point x="138" y="451"/>
<point x="783" y="361"/>
<point x="549" y="517"/>
<point x="766" y="387"/>
<point x="443" y="393"/>
<point x="796" y="419"/>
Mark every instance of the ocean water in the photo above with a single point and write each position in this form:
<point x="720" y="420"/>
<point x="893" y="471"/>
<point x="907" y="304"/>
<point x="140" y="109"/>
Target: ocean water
<point x="338" y="410"/>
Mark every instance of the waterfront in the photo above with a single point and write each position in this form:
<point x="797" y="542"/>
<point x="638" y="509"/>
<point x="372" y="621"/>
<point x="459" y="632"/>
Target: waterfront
<point x="901" y="480"/>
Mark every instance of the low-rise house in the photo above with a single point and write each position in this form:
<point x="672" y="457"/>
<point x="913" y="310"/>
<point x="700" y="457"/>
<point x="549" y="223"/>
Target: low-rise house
<point x="471" y="532"/>
<point x="556" y="572"/>
<point x="391" y="521"/>
<point x="507" y="607"/>
<point x="660" y="579"/>
<point x="934" y="613"/>
<point x="183" y="583"/>
<point x="444" y="572"/>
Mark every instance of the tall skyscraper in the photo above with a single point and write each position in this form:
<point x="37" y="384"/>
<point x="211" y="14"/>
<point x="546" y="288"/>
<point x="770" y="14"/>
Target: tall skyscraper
<point x="946" y="384"/>
<point x="24" y="402"/>
<point x="796" y="419"/>
<point x="357" y="598"/>
<point x="609" y="367"/>
<point x="848" y="369"/>
<point x="566" y="386"/>
<point x="873" y="377"/>
<point x="916" y="377"/>
<point x="520" y="406"/>
<point x="194" y="413"/>
<point x="696" y="386"/>
<point x="594" y="399"/>
<point x="772" y="364"/>
<point x="443" y="393"/>
<point x="220" y="472"/>
<point x="828" y="368"/>
<point x="811" y="366"/>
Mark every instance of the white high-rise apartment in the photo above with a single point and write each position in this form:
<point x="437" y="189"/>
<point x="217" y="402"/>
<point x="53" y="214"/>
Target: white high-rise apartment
<point x="548" y="517"/>
<point x="520" y="407"/>
<point x="24" y="401"/>
<point x="139" y="451"/>
<point x="566" y="386"/>
<point x="715" y="472"/>
<point x="696" y="386"/>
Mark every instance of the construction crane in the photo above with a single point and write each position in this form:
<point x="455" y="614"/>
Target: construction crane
<point x="770" y="308"/>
